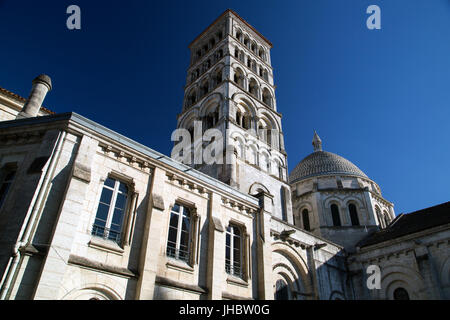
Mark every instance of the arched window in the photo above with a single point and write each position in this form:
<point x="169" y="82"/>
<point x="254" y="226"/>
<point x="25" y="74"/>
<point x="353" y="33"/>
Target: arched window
<point x="239" y="78"/>
<point x="385" y="218"/>
<point x="111" y="210"/>
<point x="179" y="233"/>
<point x="192" y="98"/>
<point x="379" y="217"/>
<point x="246" y="41"/>
<point x="267" y="97"/>
<point x="254" y="47"/>
<point x="401" y="294"/>
<point x="236" y="52"/>
<point x="239" y="118"/>
<point x="353" y="214"/>
<point x="239" y="35"/>
<point x="211" y="120"/>
<point x="335" y="215"/>
<point x="217" y="78"/>
<point x="253" y="88"/>
<point x="246" y="122"/>
<point x="262" y="54"/>
<point x="305" y="218"/>
<point x="204" y="88"/>
<point x="281" y="290"/>
<point x="233" y="251"/>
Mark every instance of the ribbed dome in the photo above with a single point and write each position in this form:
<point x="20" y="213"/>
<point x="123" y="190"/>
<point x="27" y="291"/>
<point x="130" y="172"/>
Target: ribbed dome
<point x="323" y="163"/>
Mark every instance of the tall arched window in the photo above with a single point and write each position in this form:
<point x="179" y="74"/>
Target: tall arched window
<point x="281" y="290"/>
<point x="335" y="215"/>
<point x="379" y="217"/>
<point x="233" y="251"/>
<point x="239" y="35"/>
<point x="253" y="88"/>
<point x="401" y="294"/>
<point x="267" y="97"/>
<point x="385" y="218"/>
<point x="179" y="233"/>
<point x="204" y="88"/>
<point x="353" y="214"/>
<point x="192" y="98"/>
<point x="111" y="210"/>
<point x="239" y="78"/>
<point x="305" y="218"/>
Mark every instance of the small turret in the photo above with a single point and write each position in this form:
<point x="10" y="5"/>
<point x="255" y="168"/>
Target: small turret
<point x="41" y="85"/>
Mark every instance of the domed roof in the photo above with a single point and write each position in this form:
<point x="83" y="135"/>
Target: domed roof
<point x="323" y="163"/>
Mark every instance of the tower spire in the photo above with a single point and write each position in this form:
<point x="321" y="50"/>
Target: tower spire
<point x="317" y="143"/>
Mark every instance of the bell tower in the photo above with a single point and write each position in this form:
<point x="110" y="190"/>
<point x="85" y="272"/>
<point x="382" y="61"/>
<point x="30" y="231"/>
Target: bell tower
<point x="230" y="88"/>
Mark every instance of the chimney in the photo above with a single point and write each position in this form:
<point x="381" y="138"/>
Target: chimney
<point x="41" y="85"/>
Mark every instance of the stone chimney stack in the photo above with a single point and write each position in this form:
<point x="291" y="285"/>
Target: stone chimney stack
<point x="41" y="85"/>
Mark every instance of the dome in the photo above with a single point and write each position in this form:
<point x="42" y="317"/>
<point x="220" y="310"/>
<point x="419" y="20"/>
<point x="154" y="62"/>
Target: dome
<point x="323" y="163"/>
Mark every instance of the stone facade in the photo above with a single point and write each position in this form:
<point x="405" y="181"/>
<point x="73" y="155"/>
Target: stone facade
<point x="86" y="213"/>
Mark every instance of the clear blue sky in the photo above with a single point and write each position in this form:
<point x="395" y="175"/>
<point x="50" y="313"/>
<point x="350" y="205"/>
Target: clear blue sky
<point x="378" y="98"/>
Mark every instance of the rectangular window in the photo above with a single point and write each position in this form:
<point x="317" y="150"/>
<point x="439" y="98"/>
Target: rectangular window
<point x="179" y="233"/>
<point x="111" y="210"/>
<point x="9" y="172"/>
<point x="233" y="251"/>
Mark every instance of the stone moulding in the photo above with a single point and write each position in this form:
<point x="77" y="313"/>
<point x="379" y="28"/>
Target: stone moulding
<point x="84" y="262"/>
<point x="162" y="281"/>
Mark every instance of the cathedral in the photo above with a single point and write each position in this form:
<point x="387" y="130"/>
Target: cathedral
<point x="89" y="214"/>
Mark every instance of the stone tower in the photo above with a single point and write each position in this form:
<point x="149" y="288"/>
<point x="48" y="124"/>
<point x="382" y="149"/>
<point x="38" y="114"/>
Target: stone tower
<point x="230" y="88"/>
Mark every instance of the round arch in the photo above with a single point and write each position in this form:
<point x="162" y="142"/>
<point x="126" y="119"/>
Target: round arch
<point x="293" y="264"/>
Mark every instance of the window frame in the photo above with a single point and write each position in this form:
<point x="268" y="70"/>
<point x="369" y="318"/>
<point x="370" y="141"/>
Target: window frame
<point x="179" y="231"/>
<point x="354" y="216"/>
<point x="130" y="197"/>
<point x="229" y="266"/>
<point x="305" y="213"/>
<point x="336" y="216"/>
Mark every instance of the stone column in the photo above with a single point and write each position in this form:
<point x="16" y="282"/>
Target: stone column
<point x="55" y="265"/>
<point x="152" y="238"/>
<point x="264" y="251"/>
<point x="216" y="250"/>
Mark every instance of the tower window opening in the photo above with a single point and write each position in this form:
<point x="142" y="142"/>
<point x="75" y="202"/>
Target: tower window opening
<point x="238" y="118"/>
<point x="253" y="88"/>
<point x="267" y="97"/>
<point x="353" y="214"/>
<point x="335" y="215"/>
<point x="305" y="218"/>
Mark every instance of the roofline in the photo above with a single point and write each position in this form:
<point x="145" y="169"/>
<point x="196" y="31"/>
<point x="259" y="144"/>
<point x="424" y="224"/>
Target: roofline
<point x="22" y="99"/>
<point x="237" y="16"/>
<point x="136" y="146"/>
<point x="428" y="208"/>
<point x="334" y="173"/>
